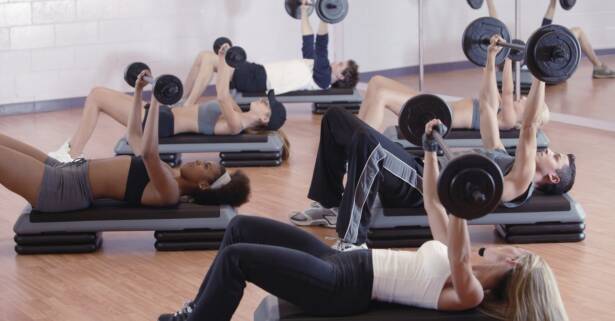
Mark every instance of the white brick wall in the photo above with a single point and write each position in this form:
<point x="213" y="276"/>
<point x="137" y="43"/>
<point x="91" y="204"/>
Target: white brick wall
<point x="53" y="49"/>
<point x="53" y="11"/>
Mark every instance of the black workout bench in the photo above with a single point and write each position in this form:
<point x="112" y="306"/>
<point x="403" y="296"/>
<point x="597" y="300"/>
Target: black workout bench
<point x="322" y="100"/>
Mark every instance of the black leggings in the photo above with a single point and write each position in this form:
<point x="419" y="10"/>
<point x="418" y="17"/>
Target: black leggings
<point x="380" y="173"/>
<point x="287" y="262"/>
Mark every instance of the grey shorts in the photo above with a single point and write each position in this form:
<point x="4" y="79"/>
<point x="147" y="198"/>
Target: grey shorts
<point x="476" y="114"/>
<point x="65" y="187"/>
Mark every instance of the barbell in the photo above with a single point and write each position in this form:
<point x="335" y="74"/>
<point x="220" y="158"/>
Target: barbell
<point x="329" y="11"/>
<point x="168" y="89"/>
<point x="234" y="55"/>
<point x="470" y="184"/>
<point x="552" y="52"/>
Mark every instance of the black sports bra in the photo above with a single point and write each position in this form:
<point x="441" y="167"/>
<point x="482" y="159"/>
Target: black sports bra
<point x="137" y="180"/>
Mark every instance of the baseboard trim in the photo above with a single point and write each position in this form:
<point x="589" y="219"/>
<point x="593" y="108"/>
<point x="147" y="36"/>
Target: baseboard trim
<point x="77" y="102"/>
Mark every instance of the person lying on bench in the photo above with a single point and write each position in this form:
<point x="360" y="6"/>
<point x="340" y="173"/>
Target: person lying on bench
<point x="313" y="72"/>
<point x="221" y="116"/>
<point x="50" y="186"/>
<point x="380" y="173"/>
<point x="506" y="283"/>
<point x="385" y="93"/>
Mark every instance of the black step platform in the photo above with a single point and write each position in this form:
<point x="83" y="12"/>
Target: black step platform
<point x="181" y="227"/>
<point x="541" y="232"/>
<point x="260" y="149"/>
<point x="410" y="236"/>
<point x="321" y="108"/>
<point x="57" y="243"/>
<point x="252" y="159"/>
<point x="187" y="240"/>
<point x="274" y="309"/>
<point x="544" y="218"/>
<point x="322" y="100"/>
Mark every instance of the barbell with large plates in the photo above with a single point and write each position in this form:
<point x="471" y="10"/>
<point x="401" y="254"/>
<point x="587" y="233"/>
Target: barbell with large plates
<point x="470" y="185"/>
<point x="552" y="53"/>
<point x="329" y="11"/>
<point x="168" y="89"/>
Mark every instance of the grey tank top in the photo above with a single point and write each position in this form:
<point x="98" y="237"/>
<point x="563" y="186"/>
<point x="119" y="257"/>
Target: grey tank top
<point x="209" y="113"/>
<point x="505" y="162"/>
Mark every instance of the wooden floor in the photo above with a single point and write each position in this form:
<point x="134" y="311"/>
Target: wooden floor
<point x="128" y="280"/>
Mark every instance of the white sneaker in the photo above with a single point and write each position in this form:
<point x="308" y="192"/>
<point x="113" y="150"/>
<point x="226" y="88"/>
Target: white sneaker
<point x="62" y="154"/>
<point x="347" y="247"/>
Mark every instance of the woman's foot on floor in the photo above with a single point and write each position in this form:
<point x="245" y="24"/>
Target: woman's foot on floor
<point x="603" y="72"/>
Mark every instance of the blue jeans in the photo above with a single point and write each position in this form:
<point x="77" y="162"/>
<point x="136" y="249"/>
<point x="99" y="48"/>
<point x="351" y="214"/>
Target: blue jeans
<point x="287" y="262"/>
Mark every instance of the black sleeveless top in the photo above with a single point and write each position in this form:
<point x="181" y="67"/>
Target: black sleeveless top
<point x="137" y="180"/>
<point x="505" y="162"/>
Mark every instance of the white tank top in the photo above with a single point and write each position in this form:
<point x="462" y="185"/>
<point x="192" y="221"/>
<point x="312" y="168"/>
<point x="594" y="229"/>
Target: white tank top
<point x="411" y="278"/>
<point x="290" y="75"/>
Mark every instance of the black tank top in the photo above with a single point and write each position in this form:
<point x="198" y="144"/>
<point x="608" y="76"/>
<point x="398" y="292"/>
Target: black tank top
<point x="137" y="180"/>
<point x="505" y="162"/>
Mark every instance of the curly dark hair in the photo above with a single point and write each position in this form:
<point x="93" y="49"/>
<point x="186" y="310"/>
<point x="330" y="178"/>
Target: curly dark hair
<point x="235" y="193"/>
<point x="566" y="175"/>
<point x="351" y="76"/>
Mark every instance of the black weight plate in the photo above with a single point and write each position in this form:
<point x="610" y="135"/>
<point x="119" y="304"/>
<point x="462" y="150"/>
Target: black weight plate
<point x="168" y="89"/>
<point x="515" y="54"/>
<point x="133" y="71"/>
<point x="332" y="11"/>
<point x="221" y="41"/>
<point x="418" y="111"/>
<point x="235" y="55"/>
<point x="476" y="36"/>
<point x="462" y="176"/>
<point x="553" y="54"/>
<point x="567" y="4"/>
<point x="293" y="8"/>
<point x="475" y="4"/>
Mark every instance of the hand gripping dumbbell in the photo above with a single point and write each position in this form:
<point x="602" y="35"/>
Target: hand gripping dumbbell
<point x="168" y="89"/>
<point x="234" y="56"/>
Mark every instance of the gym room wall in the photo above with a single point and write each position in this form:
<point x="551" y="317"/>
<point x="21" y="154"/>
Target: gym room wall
<point x="54" y="49"/>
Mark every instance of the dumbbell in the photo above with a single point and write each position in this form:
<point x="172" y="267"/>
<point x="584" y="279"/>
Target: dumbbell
<point x="329" y="11"/>
<point x="470" y="185"/>
<point x="552" y="53"/>
<point x="168" y="89"/>
<point x="234" y="55"/>
<point x="475" y="4"/>
<point x="567" y="4"/>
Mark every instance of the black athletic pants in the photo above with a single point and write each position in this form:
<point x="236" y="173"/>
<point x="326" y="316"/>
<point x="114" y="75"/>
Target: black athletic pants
<point x="287" y="262"/>
<point x="249" y="78"/>
<point x="380" y="173"/>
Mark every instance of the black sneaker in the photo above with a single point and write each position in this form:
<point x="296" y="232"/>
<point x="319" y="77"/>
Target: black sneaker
<point x="181" y="314"/>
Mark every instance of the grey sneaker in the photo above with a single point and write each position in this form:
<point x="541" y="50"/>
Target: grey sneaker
<point x="603" y="72"/>
<point x="347" y="247"/>
<point x="315" y="215"/>
<point x="181" y="314"/>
